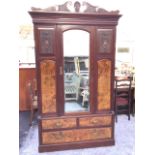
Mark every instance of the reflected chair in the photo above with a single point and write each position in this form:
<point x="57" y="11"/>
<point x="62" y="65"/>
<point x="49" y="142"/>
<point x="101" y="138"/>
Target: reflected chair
<point x="85" y="95"/>
<point x="72" y="84"/>
<point x="32" y="90"/>
<point x="122" y="96"/>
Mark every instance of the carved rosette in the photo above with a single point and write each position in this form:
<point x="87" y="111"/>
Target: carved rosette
<point x="104" y="84"/>
<point x="48" y="86"/>
<point x="104" y="40"/>
<point x="46" y="41"/>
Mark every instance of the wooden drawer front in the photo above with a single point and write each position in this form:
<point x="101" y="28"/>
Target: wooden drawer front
<point x="59" y="123"/>
<point x="95" y="121"/>
<point x="76" y="135"/>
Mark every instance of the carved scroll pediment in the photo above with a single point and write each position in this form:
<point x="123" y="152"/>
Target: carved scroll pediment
<point x="64" y="7"/>
<point x="77" y="7"/>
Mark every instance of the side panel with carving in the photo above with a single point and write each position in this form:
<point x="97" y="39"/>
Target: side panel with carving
<point x="48" y="86"/>
<point x="46" y="36"/>
<point x="104" y="84"/>
<point x="104" y="40"/>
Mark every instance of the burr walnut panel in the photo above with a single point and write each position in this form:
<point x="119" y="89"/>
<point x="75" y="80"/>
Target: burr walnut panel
<point x="76" y="135"/>
<point x="59" y="123"/>
<point x="48" y="86"/>
<point x="104" y="84"/>
<point x="95" y="121"/>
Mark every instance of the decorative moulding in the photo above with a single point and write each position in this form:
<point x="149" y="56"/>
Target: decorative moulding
<point x="77" y="7"/>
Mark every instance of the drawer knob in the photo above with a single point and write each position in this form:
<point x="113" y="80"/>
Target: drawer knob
<point x="59" y="136"/>
<point x="96" y="133"/>
<point x="94" y="121"/>
<point x="58" y="124"/>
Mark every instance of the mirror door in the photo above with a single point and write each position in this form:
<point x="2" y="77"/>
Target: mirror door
<point x="76" y="62"/>
<point x="75" y="53"/>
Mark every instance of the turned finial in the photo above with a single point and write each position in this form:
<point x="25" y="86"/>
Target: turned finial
<point x="77" y="6"/>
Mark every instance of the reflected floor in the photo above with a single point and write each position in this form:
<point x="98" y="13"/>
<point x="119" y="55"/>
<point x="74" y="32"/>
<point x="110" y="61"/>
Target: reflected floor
<point x="73" y="106"/>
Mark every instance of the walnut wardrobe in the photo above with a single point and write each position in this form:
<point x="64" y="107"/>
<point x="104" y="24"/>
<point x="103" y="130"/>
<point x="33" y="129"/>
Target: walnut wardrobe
<point x="75" y="58"/>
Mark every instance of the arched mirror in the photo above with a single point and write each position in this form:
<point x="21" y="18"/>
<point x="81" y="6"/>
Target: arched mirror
<point x="76" y="45"/>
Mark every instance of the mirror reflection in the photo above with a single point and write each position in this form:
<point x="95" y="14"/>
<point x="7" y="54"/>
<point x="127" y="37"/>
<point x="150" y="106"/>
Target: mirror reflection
<point x="76" y="70"/>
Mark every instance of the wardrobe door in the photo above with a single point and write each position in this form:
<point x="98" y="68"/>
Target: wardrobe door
<point x="46" y="64"/>
<point x="105" y="67"/>
<point x="76" y="55"/>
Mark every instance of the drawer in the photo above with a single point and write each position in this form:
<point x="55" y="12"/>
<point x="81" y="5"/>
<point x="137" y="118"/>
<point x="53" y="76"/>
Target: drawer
<point x="95" y="121"/>
<point x="59" y="123"/>
<point x="76" y="135"/>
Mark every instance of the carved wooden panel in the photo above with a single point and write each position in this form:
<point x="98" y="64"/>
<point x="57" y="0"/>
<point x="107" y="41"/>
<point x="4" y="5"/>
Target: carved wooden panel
<point x="46" y="40"/>
<point x="95" y="121"/>
<point x="76" y="135"/>
<point x="59" y="123"/>
<point x="104" y="84"/>
<point x="48" y="86"/>
<point x="77" y="6"/>
<point x="104" y="42"/>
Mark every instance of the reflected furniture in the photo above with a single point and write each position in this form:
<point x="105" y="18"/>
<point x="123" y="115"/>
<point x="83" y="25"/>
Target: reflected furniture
<point x="71" y="86"/>
<point x="85" y="95"/>
<point x="72" y="78"/>
<point x="123" y="96"/>
<point x="59" y="129"/>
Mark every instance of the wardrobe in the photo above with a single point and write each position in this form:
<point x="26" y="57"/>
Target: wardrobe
<point x="75" y="58"/>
